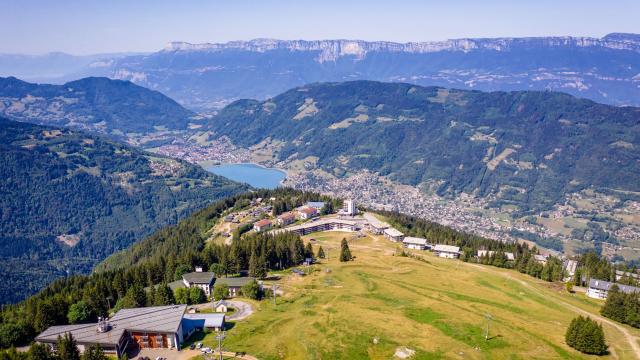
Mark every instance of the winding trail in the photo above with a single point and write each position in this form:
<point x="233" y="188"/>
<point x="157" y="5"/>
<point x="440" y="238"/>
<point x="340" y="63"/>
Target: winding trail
<point x="243" y="310"/>
<point x="631" y="339"/>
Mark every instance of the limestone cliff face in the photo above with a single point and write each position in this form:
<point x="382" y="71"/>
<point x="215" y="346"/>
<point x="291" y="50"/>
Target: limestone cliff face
<point x="331" y="50"/>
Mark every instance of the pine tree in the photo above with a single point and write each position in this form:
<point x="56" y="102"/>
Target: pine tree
<point x="94" y="352"/>
<point x="321" y="254"/>
<point x="39" y="351"/>
<point x="614" y="306"/>
<point x="164" y="295"/>
<point x="253" y="263"/>
<point x="308" y="251"/>
<point x="67" y="348"/>
<point x="345" y="253"/>
<point x="586" y="335"/>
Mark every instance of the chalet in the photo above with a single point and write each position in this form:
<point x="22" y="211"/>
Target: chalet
<point x="599" y="289"/>
<point x="542" y="259"/>
<point x="415" y="243"/>
<point x="235" y="284"/>
<point x="307" y="213"/>
<point x="286" y="219"/>
<point x="203" y="280"/>
<point x="487" y="253"/>
<point x="393" y="234"/>
<point x="627" y="274"/>
<point x="150" y="327"/>
<point x="446" y="251"/>
<point x="262" y="225"/>
<point x="220" y="306"/>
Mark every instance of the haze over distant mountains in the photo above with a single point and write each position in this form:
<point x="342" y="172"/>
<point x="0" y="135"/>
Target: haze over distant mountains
<point x="207" y="76"/>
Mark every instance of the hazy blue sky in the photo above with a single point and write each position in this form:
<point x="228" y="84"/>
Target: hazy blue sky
<point x="86" y="26"/>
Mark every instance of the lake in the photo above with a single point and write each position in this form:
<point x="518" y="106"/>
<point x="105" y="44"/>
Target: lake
<point x="254" y="175"/>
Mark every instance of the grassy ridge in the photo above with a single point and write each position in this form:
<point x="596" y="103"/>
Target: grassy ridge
<point x="435" y="306"/>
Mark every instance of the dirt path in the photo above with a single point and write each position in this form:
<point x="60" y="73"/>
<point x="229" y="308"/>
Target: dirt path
<point x="631" y="339"/>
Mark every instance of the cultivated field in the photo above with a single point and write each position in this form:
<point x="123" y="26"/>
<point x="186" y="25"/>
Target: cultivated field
<point x="370" y="307"/>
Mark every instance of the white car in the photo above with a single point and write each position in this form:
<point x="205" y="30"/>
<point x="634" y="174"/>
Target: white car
<point x="206" y="350"/>
<point x="199" y="346"/>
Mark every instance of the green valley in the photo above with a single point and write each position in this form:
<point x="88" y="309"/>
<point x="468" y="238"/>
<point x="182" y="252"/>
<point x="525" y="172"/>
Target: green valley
<point x="70" y="199"/>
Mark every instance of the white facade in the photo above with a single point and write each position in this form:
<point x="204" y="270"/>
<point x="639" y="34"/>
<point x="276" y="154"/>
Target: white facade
<point x="597" y="293"/>
<point x="349" y="207"/>
<point x="414" y="243"/>
<point x="446" y="251"/>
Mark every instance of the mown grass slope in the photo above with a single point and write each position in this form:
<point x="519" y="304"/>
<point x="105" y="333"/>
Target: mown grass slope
<point x="435" y="306"/>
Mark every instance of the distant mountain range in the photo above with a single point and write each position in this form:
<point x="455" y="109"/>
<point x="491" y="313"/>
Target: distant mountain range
<point x="115" y="107"/>
<point x="208" y="76"/>
<point x="57" y="67"/>
<point x="522" y="148"/>
<point x="70" y="199"/>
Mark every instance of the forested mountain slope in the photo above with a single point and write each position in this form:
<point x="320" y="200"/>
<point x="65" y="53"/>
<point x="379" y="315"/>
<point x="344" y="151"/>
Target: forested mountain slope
<point x="69" y="199"/>
<point x="524" y="148"/>
<point x="98" y="104"/>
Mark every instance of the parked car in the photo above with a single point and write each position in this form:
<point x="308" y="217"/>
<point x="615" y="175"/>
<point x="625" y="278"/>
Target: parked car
<point x="199" y="346"/>
<point x="193" y="346"/>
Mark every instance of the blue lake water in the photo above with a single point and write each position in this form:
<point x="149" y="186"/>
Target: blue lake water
<point x="251" y="174"/>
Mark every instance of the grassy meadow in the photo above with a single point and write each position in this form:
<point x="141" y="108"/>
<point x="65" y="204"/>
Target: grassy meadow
<point x="369" y="307"/>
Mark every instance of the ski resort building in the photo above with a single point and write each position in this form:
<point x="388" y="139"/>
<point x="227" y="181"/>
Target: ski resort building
<point x="393" y="234"/>
<point x="262" y="225"/>
<point x="202" y="279"/>
<point x="415" y="243"/>
<point x="327" y="224"/>
<point x="599" y="289"/>
<point x="447" y="251"/>
<point x="150" y="327"/>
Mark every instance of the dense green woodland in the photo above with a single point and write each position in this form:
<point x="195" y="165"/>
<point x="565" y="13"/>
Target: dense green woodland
<point x="99" y="104"/>
<point x="103" y="194"/>
<point x="444" y="138"/>
<point x="158" y="259"/>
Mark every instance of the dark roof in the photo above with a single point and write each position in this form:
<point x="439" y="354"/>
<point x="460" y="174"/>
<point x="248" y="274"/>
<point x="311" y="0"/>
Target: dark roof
<point x="235" y="281"/>
<point x="165" y="319"/>
<point x="199" y="277"/>
<point x="606" y="285"/>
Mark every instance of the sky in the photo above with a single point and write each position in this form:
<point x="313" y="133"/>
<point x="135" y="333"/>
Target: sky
<point x="88" y="27"/>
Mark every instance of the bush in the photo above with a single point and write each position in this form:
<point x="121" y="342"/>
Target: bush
<point x="586" y="335"/>
<point x="252" y="290"/>
<point x="78" y="313"/>
<point x="197" y="295"/>
<point x="220" y="291"/>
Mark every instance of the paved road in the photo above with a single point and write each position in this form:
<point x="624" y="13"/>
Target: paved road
<point x="187" y="354"/>
<point x="243" y="310"/>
